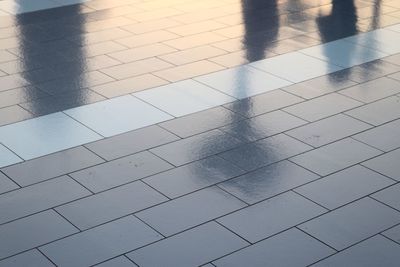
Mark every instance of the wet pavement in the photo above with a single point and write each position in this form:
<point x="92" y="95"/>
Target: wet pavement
<point x="212" y="133"/>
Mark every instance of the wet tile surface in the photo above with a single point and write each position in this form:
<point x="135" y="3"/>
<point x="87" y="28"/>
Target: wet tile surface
<point x="198" y="207"/>
<point x="335" y="156"/>
<point x="120" y="171"/>
<point x="217" y="157"/>
<point x="94" y="246"/>
<point x="374" y="251"/>
<point x="265" y="151"/>
<point x="191" y="248"/>
<point x="271" y="216"/>
<point x="352" y="223"/>
<point x="268" y="181"/>
<point x="344" y="187"/>
<point x="290" y="248"/>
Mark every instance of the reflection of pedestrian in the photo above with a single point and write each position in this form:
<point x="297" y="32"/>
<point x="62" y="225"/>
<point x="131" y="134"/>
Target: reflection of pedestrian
<point x="341" y="22"/>
<point x="261" y="23"/>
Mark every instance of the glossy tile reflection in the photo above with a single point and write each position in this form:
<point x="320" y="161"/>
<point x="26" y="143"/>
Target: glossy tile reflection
<point x="199" y="133"/>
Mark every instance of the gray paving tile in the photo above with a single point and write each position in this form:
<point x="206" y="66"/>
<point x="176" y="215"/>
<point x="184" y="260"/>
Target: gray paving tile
<point x="131" y="142"/>
<point x="384" y="137"/>
<point x="191" y="248"/>
<point x="263" y="103"/>
<point x="352" y="223"/>
<point x="268" y="181"/>
<point x="196" y="147"/>
<point x="387" y="164"/>
<point x="201" y="121"/>
<point x="389" y="196"/>
<point x="321" y="107"/>
<point x="39" y="197"/>
<point x="376" y="251"/>
<point x="378" y="112"/>
<point x="32" y="231"/>
<point x="344" y="187"/>
<point x="320" y="86"/>
<point x="335" y="156"/>
<point x="373" y="90"/>
<point x="6" y="184"/>
<point x="53" y="165"/>
<point x="290" y="248"/>
<point x="19" y="95"/>
<point x="271" y="216"/>
<point x="393" y="233"/>
<point x="120" y="171"/>
<point x="31" y="258"/>
<point x="193" y="176"/>
<point x="121" y="261"/>
<point x="328" y="130"/>
<point x="372" y="70"/>
<point x="110" y="205"/>
<point x="188" y="211"/>
<point x="11" y="82"/>
<point x="264" y="152"/>
<point x="100" y="243"/>
<point x="263" y="126"/>
<point x="13" y="114"/>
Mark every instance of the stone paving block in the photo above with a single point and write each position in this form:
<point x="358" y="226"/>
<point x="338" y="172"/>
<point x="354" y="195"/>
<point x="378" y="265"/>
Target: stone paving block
<point x="129" y="85"/>
<point x="150" y="26"/>
<point x="100" y="36"/>
<point x="193" y="176"/>
<point x="335" y="156"/>
<point x="136" y="68"/>
<point x="142" y="52"/>
<point x="109" y="205"/>
<point x="31" y="258"/>
<point x="376" y="251"/>
<point x="195" y="40"/>
<point x="19" y="95"/>
<point x="372" y="70"/>
<point x="373" y="90"/>
<point x="103" y="48"/>
<point x="192" y="55"/>
<point x="131" y="142"/>
<point x="352" y="223"/>
<point x="32" y="231"/>
<point x="121" y="261"/>
<point x="320" y="86"/>
<point x="387" y="164"/>
<point x="322" y="107"/>
<point x="147" y="39"/>
<point x="268" y="181"/>
<point x="271" y="216"/>
<point x="191" y="210"/>
<point x="6" y="184"/>
<point x="389" y="196"/>
<point x="187" y="71"/>
<point x="263" y="126"/>
<point x="120" y="171"/>
<point x="53" y="165"/>
<point x="191" y="248"/>
<point x="384" y="137"/>
<point x="13" y="114"/>
<point x="205" y="121"/>
<point x="344" y="187"/>
<point x="231" y="59"/>
<point x="265" y="151"/>
<point x="263" y="103"/>
<point x="393" y="234"/>
<point x="39" y="197"/>
<point x="100" y="243"/>
<point x="290" y="248"/>
<point x="196" y="147"/>
<point x="378" y="112"/>
<point x="328" y="130"/>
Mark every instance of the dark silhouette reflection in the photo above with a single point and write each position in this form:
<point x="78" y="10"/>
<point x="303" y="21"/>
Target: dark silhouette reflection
<point x="261" y="24"/>
<point x="340" y="22"/>
<point x="52" y="65"/>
